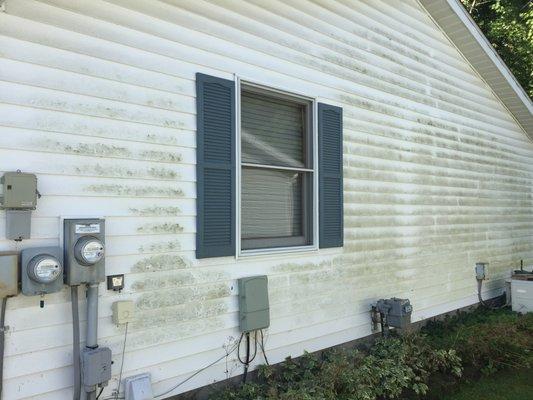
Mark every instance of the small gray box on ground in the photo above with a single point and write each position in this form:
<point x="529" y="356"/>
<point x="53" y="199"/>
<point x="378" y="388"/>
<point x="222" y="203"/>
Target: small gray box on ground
<point x="9" y="274"/>
<point x="254" y="309"/>
<point x="138" y="387"/>
<point x="96" y="366"/>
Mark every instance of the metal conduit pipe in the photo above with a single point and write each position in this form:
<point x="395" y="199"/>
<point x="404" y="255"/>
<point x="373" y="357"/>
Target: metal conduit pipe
<point x="75" y="342"/>
<point x="2" y="342"/>
<point x="91" y="341"/>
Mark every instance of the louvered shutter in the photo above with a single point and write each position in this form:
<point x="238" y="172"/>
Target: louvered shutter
<point x="330" y="176"/>
<point x="215" y="167"/>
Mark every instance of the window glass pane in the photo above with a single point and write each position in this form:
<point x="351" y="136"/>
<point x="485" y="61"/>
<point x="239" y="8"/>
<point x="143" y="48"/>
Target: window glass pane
<point x="271" y="203"/>
<point x="272" y="130"/>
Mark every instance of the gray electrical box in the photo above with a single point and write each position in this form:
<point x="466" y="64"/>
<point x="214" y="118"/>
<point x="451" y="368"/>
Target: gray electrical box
<point x="19" y="191"/>
<point x="397" y="312"/>
<point x="9" y="274"/>
<point x="41" y="270"/>
<point x="84" y="246"/>
<point x="95" y="367"/>
<point x="254" y="309"/>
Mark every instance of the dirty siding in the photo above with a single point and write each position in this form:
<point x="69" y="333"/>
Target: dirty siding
<point x="98" y="99"/>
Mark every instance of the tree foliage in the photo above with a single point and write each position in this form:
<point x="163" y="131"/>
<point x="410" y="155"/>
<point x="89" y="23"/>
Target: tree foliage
<point x="508" y="24"/>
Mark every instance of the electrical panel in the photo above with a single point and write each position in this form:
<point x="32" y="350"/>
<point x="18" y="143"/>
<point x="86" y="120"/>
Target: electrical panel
<point x="123" y="312"/>
<point x="95" y="367"/>
<point x="397" y="312"/>
<point x="19" y="191"/>
<point x="41" y="270"/>
<point x="84" y="246"/>
<point x="9" y="274"/>
<point x="254" y="309"/>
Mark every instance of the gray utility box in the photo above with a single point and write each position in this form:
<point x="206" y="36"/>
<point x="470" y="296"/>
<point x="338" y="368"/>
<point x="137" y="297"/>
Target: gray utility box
<point x="522" y="295"/>
<point x="254" y="310"/>
<point x="84" y="246"/>
<point x="20" y="191"/>
<point x="9" y="274"/>
<point x="95" y="367"/>
<point x="397" y="311"/>
<point x="41" y="270"/>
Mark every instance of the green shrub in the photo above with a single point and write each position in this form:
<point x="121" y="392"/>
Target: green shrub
<point x="392" y="366"/>
<point x="396" y="367"/>
<point x="486" y="340"/>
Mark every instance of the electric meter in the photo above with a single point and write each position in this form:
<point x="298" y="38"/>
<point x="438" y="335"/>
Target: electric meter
<point x="42" y="270"/>
<point x="89" y="250"/>
<point x="84" y="246"/>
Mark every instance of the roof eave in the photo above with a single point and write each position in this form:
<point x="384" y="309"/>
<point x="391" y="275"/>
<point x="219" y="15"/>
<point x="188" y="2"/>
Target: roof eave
<point x="461" y="29"/>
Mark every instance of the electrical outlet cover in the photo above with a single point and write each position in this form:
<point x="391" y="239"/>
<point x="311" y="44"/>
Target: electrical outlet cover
<point x="138" y="387"/>
<point x="123" y="312"/>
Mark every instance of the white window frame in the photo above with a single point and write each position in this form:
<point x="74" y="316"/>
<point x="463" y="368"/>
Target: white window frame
<point x="239" y="81"/>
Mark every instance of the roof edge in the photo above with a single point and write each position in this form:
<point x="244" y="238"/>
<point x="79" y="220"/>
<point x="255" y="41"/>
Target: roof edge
<point x="478" y="51"/>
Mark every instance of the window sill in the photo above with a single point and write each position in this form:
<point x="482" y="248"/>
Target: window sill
<point x="277" y="250"/>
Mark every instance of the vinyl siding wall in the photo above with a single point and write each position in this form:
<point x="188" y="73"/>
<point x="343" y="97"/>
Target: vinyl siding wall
<point x="97" y="98"/>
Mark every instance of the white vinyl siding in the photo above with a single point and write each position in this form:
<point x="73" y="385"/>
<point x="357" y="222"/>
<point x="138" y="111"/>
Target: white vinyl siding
<point x="98" y="99"/>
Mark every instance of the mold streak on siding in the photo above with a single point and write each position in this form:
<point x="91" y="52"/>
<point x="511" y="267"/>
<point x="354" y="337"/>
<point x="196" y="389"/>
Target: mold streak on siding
<point x="98" y="99"/>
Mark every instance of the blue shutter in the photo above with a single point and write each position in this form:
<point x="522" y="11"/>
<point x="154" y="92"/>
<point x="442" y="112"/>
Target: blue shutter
<point x="330" y="176"/>
<point x="215" y="167"/>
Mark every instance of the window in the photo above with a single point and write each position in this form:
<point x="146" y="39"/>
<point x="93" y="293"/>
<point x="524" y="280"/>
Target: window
<point x="269" y="170"/>
<point x="276" y="170"/>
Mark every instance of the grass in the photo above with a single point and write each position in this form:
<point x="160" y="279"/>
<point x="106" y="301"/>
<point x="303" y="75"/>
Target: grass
<point x="505" y="385"/>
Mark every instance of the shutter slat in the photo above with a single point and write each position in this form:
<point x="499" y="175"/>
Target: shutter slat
<point x="215" y="168"/>
<point x="331" y="212"/>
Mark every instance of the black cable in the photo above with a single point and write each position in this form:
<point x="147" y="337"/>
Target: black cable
<point x="255" y="348"/>
<point x="483" y="302"/>
<point x="247" y="362"/>
<point x="262" y="344"/>
<point x="2" y="342"/>
<point x="99" y="393"/>
<point x="239" y="349"/>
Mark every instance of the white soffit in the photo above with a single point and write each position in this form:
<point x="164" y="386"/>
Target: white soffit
<point x="457" y="24"/>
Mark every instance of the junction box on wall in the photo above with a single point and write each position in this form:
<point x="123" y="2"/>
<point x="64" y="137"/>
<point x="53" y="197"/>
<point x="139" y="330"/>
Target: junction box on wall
<point x="19" y="198"/>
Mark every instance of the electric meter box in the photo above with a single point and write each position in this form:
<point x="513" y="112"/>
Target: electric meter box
<point x="84" y="247"/>
<point x="19" y="191"/>
<point x="254" y="309"/>
<point x="41" y="270"/>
